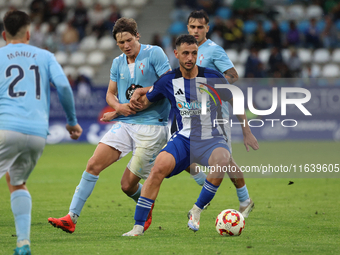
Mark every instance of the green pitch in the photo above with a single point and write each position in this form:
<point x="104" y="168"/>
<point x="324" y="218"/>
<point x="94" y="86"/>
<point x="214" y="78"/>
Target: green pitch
<point x="288" y="219"/>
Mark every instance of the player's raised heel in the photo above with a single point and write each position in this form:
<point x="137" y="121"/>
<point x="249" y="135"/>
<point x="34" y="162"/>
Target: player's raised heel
<point x="23" y="250"/>
<point x="245" y="210"/>
<point x="194" y="218"/>
<point x="137" y="230"/>
<point x="65" y="223"/>
<point x="149" y="218"/>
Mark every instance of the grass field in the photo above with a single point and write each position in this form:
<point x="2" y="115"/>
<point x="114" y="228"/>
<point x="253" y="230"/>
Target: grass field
<point x="287" y="219"/>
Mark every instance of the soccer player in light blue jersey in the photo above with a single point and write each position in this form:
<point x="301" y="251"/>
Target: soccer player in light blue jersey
<point x="27" y="72"/>
<point x="143" y="133"/>
<point x="197" y="139"/>
<point x="213" y="56"/>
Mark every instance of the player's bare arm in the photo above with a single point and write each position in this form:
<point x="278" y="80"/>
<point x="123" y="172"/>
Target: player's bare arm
<point x="231" y="75"/>
<point x="248" y="137"/>
<point x="112" y="100"/>
<point x="108" y="116"/>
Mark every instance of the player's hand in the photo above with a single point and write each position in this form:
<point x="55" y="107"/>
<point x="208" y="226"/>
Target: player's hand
<point x="134" y="100"/>
<point x="125" y="109"/>
<point x="74" y="131"/>
<point x="108" y="116"/>
<point x="250" y="140"/>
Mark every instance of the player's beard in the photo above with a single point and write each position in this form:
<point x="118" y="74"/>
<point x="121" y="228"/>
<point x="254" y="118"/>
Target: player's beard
<point x="188" y="69"/>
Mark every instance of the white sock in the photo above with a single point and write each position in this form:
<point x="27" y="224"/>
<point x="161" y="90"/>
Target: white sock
<point x="245" y="202"/>
<point x="74" y="217"/>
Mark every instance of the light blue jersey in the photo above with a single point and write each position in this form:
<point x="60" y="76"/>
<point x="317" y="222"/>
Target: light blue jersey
<point x="25" y="76"/>
<point x="150" y="63"/>
<point x="213" y="56"/>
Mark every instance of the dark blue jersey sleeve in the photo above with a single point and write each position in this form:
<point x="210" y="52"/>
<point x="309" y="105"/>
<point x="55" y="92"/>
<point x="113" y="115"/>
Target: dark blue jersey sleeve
<point x="156" y="92"/>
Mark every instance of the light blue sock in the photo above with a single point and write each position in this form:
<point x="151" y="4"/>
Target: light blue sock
<point x="242" y="193"/>
<point x="207" y="194"/>
<point x="83" y="191"/>
<point x="21" y="203"/>
<point x="200" y="178"/>
<point x="137" y="194"/>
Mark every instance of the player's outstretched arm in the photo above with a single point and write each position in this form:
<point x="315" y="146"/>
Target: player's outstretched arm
<point x="108" y="116"/>
<point x="74" y="131"/>
<point x="248" y="138"/>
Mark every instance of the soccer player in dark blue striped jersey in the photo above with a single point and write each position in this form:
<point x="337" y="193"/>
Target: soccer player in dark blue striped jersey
<point x="183" y="86"/>
<point x="213" y="56"/>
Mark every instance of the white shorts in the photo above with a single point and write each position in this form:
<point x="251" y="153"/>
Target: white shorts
<point x="19" y="154"/>
<point x="145" y="142"/>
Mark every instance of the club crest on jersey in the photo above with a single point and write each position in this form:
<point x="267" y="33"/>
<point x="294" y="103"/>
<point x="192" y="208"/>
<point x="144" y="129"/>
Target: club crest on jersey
<point x="141" y="67"/>
<point x="202" y="89"/>
<point x="130" y="90"/>
<point x="201" y="58"/>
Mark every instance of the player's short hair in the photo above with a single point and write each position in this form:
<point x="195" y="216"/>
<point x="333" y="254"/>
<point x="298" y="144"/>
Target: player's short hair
<point x="189" y="39"/>
<point x="14" y="21"/>
<point x="125" y="25"/>
<point x="201" y="14"/>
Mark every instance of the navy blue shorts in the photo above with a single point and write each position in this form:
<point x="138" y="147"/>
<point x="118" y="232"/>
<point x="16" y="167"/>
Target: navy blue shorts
<point x="188" y="150"/>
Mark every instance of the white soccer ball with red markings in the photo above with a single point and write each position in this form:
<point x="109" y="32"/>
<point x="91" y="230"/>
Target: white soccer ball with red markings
<point x="230" y="223"/>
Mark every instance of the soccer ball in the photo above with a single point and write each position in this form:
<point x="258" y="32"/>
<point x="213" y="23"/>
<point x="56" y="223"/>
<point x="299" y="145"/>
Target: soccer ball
<point x="230" y="223"/>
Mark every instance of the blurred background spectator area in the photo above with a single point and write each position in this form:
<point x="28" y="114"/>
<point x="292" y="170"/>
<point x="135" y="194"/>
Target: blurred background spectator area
<point x="263" y="38"/>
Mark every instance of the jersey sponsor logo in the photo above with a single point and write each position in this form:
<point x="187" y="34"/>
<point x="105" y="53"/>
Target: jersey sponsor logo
<point x="130" y="90"/>
<point x="179" y="92"/>
<point x="141" y="67"/>
<point x="192" y="108"/>
<point x="201" y="58"/>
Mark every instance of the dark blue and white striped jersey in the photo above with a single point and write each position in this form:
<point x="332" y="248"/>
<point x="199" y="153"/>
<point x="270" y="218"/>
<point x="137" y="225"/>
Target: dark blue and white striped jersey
<point x="196" y="103"/>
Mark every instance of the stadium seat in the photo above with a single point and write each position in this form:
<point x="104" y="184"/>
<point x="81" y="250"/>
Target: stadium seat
<point x="228" y="2"/>
<point x="87" y="71"/>
<point x="321" y="56"/>
<point x="104" y="3"/>
<point x="106" y="43"/>
<point x="267" y="25"/>
<point x="302" y="26"/>
<point x="285" y="55"/>
<point x="243" y="56"/>
<point x="233" y="55"/>
<point x="17" y="3"/>
<point x="305" y="55"/>
<point x="70" y="3"/>
<point x="121" y="3"/>
<point x="330" y="71"/>
<point x="249" y="27"/>
<point x="138" y="3"/>
<point x="316" y="70"/>
<point x="70" y="70"/>
<point x="264" y="55"/>
<point x="61" y="57"/>
<point x="89" y="43"/>
<point x="96" y="58"/>
<point x="177" y="28"/>
<point x="284" y="26"/>
<point x="77" y="58"/>
<point x="336" y="56"/>
<point x="44" y="27"/>
<point x="296" y="12"/>
<point x="223" y="12"/>
<point x="129" y="13"/>
<point x="88" y="3"/>
<point x="61" y="28"/>
<point x="240" y="70"/>
<point x="314" y="11"/>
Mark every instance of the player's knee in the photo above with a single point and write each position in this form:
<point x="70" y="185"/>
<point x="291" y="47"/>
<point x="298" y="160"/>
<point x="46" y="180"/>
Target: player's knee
<point x="157" y="174"/>
<point x="93" y="167"/>
<point x="126" y="186"/>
